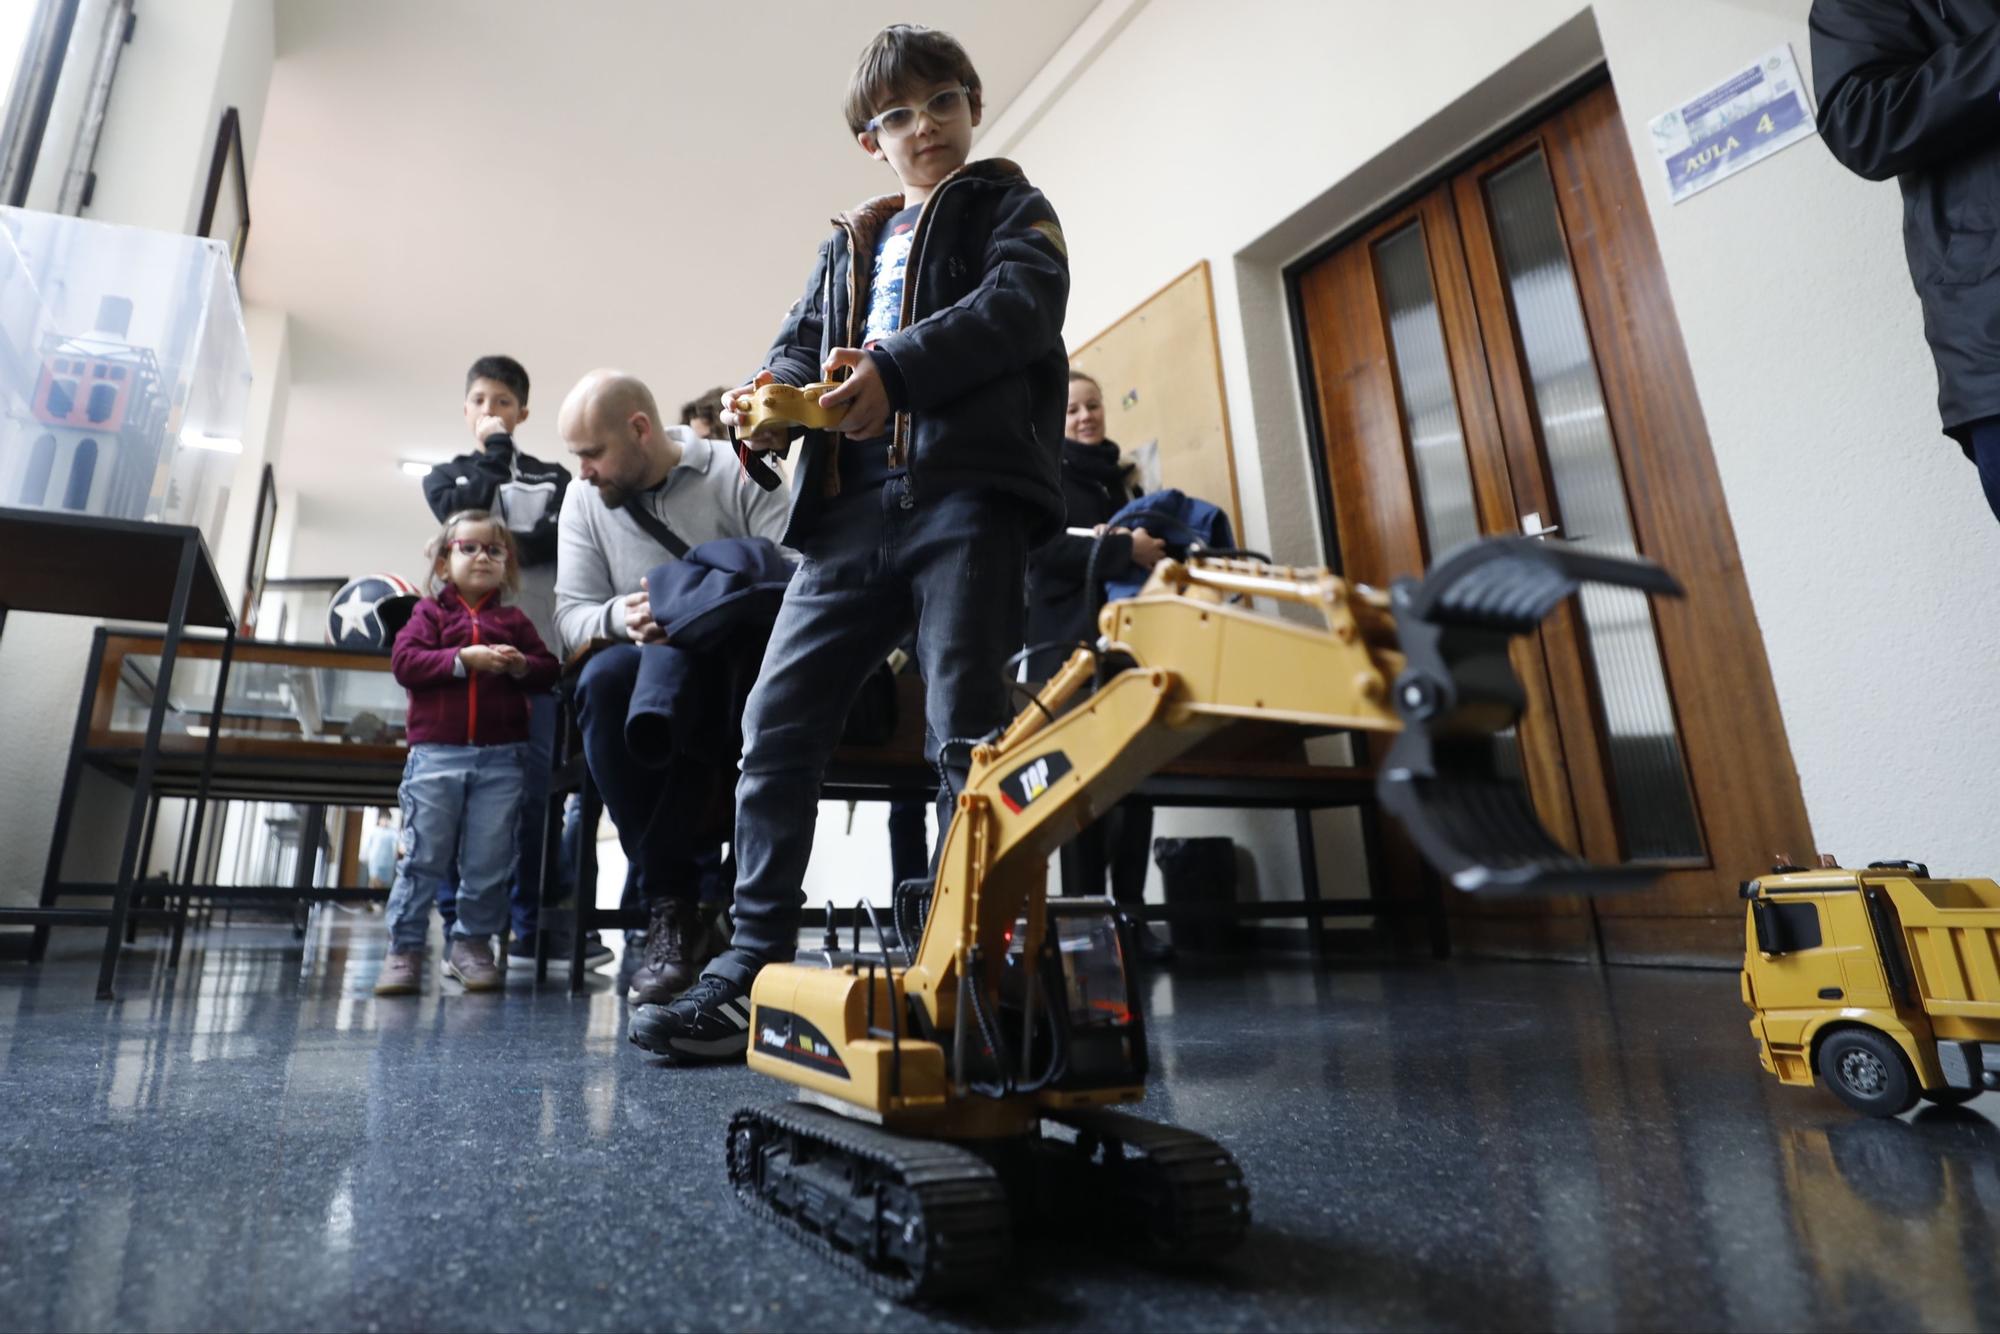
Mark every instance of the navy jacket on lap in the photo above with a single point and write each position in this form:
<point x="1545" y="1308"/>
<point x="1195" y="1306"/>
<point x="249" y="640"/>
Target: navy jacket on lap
<point x="717" y="605"/>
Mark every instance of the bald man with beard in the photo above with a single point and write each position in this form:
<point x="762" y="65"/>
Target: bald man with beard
<point x="631" y="460"/>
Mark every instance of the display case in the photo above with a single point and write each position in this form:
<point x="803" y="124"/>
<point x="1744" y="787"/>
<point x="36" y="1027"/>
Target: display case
<point x="124" y="371"/>
<point x="298" y="723"/>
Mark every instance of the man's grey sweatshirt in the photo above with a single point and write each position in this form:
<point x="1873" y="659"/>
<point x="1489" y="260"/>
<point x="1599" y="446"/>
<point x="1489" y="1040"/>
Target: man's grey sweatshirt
<point x="601" y="553"/>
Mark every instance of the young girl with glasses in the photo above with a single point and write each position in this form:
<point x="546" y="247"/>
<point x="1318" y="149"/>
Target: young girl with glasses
<point x="470" y="661"/>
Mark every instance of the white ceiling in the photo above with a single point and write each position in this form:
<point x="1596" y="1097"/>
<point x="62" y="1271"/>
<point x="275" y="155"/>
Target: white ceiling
<point x="633" y="182"/>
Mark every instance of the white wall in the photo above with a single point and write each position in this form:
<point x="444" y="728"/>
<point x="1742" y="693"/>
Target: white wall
<point x="1246" y="135"/>
<point x="187" y="60"/>
<point x="269" y="332"/>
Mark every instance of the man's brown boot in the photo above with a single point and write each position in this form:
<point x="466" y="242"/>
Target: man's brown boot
<point x="681" y="939"/>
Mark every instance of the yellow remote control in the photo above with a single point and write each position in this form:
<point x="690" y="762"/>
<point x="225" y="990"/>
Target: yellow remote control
<point x="787" y="405"/>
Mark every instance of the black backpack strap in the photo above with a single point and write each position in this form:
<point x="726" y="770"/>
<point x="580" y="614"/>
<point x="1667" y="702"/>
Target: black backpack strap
<point x="656" y="528"/>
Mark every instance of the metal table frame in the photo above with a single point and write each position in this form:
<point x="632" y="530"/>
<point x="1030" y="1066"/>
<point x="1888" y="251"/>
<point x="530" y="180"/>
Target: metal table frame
<point x="85" y="565"/>
<point x="214" y="779"/>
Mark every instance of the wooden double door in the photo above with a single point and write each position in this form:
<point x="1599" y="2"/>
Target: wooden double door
<point x="1502" y="357"/>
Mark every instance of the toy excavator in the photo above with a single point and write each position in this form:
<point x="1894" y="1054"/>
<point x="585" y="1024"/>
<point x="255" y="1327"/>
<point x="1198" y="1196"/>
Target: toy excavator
<point x="948" y="1089"/>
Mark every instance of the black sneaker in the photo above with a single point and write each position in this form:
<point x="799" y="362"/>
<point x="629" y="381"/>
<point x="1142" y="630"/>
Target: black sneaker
<point x="710" y="1022"/>
<point x="521" y="952"/>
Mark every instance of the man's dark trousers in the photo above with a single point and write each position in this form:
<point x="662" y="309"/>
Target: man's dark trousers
<point x="656" y="801"/>
<point x="877" y="561"/>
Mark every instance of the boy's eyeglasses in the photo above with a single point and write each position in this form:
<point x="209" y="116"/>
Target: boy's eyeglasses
<point x="898" y="122"/>
<point x="493" y="551"/>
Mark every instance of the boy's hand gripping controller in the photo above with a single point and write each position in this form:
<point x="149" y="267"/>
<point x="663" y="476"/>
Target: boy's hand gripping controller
<point x="778" y="405"/>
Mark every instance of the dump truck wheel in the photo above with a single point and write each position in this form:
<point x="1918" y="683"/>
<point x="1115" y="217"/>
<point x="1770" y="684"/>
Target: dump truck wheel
<point x="1951" y="1097"/>
<point x="1868" y="1072"/>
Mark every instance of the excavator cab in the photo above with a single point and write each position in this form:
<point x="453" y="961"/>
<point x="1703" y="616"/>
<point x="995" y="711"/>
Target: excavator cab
<point x="1081" y="1009"/>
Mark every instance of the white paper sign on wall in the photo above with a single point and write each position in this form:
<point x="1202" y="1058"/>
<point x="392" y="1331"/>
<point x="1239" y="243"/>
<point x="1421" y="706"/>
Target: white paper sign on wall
<point x="1737" y="123"/>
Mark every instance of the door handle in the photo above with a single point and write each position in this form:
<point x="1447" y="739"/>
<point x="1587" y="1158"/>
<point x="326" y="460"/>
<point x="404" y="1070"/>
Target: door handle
<point x="1532" y="526"/>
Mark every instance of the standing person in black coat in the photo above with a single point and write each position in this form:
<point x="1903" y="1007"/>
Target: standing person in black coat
<point x="1911" y="89"/>
<point x="1096" y="485"/>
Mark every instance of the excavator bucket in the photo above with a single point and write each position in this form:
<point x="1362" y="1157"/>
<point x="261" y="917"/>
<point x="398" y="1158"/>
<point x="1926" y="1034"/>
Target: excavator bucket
<point x="1444" y="780"/>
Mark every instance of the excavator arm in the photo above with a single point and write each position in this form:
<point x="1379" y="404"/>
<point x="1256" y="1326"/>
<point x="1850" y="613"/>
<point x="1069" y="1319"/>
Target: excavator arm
<point x="1428" y="661"/>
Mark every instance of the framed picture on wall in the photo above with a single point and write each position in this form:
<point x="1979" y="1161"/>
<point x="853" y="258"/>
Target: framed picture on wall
<point x="260" y="553"/>
<point x="225" y="202"/>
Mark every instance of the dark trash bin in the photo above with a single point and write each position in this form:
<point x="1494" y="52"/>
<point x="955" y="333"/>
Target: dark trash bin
<point x="1200" y="872"/>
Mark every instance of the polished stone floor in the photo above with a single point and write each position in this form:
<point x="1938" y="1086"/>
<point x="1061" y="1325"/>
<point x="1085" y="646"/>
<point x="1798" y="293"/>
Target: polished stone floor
<point x="257" y="1145"/>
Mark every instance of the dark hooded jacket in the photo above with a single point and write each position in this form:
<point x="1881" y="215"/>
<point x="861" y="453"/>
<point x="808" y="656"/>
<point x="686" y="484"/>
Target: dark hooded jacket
<point x="1096" y="485"/>
<point x="475" y="482"/>
<point x="1911" y="89"/>
<point x="976" y="372"/>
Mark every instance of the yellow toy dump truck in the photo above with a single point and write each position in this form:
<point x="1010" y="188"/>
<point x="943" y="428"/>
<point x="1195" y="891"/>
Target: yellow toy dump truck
<point x="1883" y="984"/>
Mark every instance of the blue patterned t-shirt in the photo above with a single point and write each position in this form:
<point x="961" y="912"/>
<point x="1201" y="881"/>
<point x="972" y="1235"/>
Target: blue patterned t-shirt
<point x="865" y="463"/>
<point x="885" y="294"/>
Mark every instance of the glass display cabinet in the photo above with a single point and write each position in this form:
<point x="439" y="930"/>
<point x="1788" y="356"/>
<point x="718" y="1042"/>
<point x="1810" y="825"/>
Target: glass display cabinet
<point x="124" y="371"/>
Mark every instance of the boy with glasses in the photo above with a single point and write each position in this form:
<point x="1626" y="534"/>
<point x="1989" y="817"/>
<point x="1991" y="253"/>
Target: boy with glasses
<point x="943" y="306"/>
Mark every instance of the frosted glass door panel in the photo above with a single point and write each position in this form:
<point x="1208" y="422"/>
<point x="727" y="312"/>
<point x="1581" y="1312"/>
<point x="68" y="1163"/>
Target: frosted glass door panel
<point x="1656" y="814"/>
<point x="1439" y="469"/>
<point x="1423" y="382"/>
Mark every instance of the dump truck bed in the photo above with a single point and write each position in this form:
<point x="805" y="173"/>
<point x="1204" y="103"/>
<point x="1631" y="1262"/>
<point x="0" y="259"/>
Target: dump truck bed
<point x="1951" y="933"/>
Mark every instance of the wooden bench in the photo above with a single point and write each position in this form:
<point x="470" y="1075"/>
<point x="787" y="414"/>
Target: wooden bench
<point x="1251" y="766"/>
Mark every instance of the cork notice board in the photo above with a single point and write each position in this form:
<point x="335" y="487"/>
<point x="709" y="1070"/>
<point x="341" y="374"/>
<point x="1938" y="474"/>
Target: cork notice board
<point x="1161" y="371"/>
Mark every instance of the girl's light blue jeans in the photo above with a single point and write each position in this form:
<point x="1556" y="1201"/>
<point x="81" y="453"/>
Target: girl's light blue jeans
<point x="458" y="802"/>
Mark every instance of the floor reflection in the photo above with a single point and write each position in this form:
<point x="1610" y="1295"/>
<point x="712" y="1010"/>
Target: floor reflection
<point x="259" y="1141"/>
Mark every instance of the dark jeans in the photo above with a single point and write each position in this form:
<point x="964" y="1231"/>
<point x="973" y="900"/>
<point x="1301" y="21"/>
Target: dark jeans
<point x="524" y="890"/>
<point x="1984" y="437"/>
<point x="909" y="842"/>
<point x="658" y="803"/>
<point x="876" y="562"/>
<point x="1119" y="842"/>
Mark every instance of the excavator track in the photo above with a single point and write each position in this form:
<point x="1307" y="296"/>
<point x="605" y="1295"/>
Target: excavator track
<point x="915" y="1219"/>
<point x="1174" y="1195"/>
